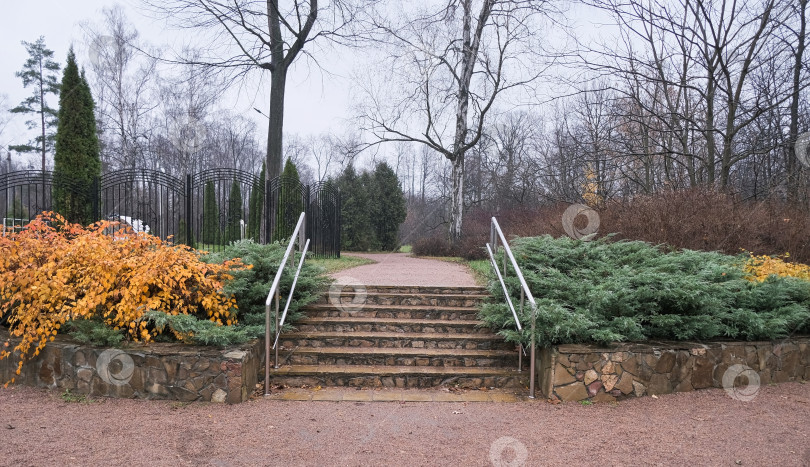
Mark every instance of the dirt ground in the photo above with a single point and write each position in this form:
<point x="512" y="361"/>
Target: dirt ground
<point x="39" y="427"/>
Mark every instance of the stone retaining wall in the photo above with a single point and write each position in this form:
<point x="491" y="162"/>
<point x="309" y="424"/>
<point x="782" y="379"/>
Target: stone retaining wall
<point x="599" y="374"/>
<point x="157" y="371"/>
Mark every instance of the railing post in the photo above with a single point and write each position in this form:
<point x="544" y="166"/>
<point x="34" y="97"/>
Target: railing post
<point x="267" y="350"/>
<point x="277" y="329"/>
<point x="520" y="350"/>
<point x="532" y="357"/>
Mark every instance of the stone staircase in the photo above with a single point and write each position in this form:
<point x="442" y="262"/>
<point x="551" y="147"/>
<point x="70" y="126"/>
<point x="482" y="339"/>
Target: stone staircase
<point x="399" y="337"/>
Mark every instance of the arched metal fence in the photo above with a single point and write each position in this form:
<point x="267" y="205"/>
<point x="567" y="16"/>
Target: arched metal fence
<point x="206" y="210"/>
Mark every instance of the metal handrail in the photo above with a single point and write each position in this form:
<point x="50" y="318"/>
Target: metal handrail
<point x="496" y="233"/>
<point x="274" y="295"/>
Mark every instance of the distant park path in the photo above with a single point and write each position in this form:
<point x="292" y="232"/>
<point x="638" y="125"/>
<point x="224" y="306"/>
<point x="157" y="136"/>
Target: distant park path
<point x="403" y="269"/>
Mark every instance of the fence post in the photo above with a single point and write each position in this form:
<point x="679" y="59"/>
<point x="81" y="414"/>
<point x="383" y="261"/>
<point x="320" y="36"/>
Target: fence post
<point x="189" y="214"/>
<point x="94" y="200"/>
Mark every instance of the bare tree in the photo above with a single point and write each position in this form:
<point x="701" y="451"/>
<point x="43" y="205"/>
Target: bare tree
<point x="123" y="88"/>
<point x="450" y="64"/>
<point x="265" y="36"/>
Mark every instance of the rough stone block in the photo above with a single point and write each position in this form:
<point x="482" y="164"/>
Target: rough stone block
<point x="639" y="389"/>
<point x="602" y="397"/>
<point x="625" y="383"/>
<point x="572" y="392"/>
<point x="630" y="364"/>
<point x="562" y="376"/>
<point x="609" y="381"/>
<point x="702" y="375"/>
<point x="590" y="376"/>
<point x="665" y="362"/>
<point x="659" y="384"/>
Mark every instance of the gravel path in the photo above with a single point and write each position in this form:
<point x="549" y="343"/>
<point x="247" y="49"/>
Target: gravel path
<point x="698" y="428"/>
<point x="403" y="269"/>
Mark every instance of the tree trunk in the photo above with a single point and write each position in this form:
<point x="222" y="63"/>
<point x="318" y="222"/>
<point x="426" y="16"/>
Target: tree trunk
<point x="792" y="166"/>
<point x="457" y="201"/>
<point x="275" y="122"/>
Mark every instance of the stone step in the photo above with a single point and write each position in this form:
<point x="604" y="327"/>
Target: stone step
<point x="416" y="340"/>
<point x="412" y="289"/>
<point x="359" y="298"/>
<point x="397" y="376"/>
<point x="319" y="310"/>
<point x="400" y="357"/>
<point x="350" y="324"/>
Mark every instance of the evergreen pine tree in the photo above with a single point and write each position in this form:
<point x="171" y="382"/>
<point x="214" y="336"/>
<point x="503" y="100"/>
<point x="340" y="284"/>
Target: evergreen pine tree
<point x="357" y="233"/>
<point x="210" y="228"/>
<point x="290" y="204"/>
<point x="256" y="206"/>
<point x="40" y="71"/>
<point x="76" y="161"/>
<point x="233" y="229"/>
<point x="387" y="206"/>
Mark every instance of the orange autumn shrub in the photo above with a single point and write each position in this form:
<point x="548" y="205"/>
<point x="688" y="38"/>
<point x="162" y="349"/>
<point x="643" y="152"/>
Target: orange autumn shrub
<point x="758" y="268"/>
<point x="54" y="271"/>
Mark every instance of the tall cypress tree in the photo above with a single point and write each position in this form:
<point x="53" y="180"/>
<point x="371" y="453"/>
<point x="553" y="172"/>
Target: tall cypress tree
<point x="387" y="206"/>
<point x="256" y="206"/>
<point x="357" y="233"/>
<point x="76" y="161"/>
<point x="233" y="228"/>
<point x="210" y="228"/>
<point x="290" y="204"/>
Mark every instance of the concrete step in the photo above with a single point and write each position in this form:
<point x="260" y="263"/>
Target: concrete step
<point x="351" y="324"/>
<point x="319" y="310"/>
<point x="400" y="357"/>
<point x="397" y="376"/>
<point x="417" y="340"/>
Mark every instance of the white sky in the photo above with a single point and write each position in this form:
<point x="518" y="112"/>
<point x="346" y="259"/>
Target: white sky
<point x="314" y="104"/>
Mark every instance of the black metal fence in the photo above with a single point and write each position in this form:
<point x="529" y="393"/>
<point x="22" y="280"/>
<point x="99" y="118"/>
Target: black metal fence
<point x="206" y="210"/>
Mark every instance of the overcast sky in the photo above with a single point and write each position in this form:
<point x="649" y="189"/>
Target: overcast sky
<point x="315" y="103"/>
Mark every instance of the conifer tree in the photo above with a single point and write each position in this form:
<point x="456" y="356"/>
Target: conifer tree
<point x="256" y="206"/>
<point x="387" y="206"/>
<point x="76" y="161"/>
<point x="290" y="204"/>
<point x="233" y="229"/>
<point x="39" y="71"/>
<point x="210" y="229"/>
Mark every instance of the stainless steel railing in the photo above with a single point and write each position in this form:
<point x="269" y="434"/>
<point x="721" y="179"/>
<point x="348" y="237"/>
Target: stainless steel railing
<point x="274" y="296"/>
<point x="495" y="234"/>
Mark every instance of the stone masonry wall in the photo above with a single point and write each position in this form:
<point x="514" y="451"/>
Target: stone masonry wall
<point x="155" y="371"/>
<point x="598" y="374"/>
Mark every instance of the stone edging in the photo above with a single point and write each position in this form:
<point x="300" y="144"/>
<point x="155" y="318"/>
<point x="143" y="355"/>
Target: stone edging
<point x="600" y="374"/>
<point x="154" y="371"/>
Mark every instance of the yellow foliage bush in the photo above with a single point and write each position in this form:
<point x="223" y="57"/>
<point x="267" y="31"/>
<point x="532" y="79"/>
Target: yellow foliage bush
<point x="758" y="268"/>
<point x="54" y="271"/>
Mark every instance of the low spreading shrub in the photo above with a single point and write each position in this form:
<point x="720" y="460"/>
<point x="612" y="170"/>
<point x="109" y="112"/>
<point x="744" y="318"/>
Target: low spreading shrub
<point x="251" y="285"/>
<point x="605" y="291"/>
<point x="53" y="272"/>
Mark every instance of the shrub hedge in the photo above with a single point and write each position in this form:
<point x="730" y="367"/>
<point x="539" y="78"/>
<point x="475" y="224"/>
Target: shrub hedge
<point x="611" y="291"/>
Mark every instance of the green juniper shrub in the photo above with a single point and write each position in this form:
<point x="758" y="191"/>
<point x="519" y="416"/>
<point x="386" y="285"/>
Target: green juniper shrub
<point x="604" y="291"/>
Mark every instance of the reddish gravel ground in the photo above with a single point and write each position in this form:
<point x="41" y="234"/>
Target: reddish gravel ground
<point x="699" y="428"/>
<point x="403" y="269"/>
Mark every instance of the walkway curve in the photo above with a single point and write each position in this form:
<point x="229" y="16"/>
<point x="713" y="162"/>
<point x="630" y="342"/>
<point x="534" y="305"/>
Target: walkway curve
<point x="402" y="269"/>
